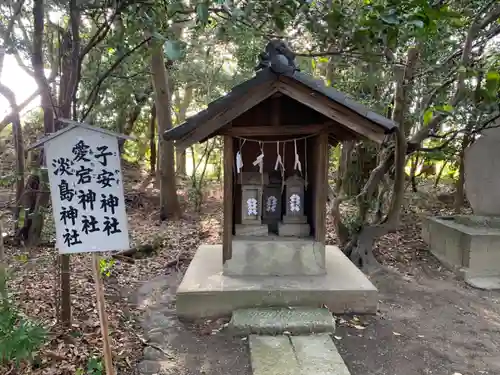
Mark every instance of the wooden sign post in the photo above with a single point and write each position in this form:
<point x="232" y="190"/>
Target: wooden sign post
<point x="88" y="205"/>
<point x="103" y="317"/>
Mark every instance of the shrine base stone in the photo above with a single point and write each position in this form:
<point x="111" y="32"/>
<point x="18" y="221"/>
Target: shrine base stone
<point x="294" y="230"/>
<point x="275" y="256"/>
<point x="206" y="292"/>
<point x="251" y="229"/>
<point x="467" y="244"/>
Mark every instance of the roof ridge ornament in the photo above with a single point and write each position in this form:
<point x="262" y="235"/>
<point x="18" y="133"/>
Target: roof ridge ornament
<point x="279" y="57"/>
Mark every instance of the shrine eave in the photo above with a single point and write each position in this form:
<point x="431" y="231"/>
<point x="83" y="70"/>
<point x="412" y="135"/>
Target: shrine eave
<point x="365" y="123"/>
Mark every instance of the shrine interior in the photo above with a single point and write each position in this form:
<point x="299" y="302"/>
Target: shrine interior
<point x="277" y="111"/>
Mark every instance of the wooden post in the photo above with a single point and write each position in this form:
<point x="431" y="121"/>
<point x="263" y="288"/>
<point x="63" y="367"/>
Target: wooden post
<point x="65" y="273"/>
<point x="227" y="237"/>
<point x="321" y="190"/>
<point x="108" y="359"/>
<point x="3" y="269"/>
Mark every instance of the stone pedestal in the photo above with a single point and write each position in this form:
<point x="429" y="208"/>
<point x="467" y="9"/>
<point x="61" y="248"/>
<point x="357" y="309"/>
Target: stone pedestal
<point x="251" y="204"/>
<point x="275" y="256"/>
<point x="467" y="244"/>
<point x="271" y="201"/>
<point x="251" y="229"/>
<point x="294" y="221"/>
<point x="207" y="292"/>
<point x="294" y="230"/>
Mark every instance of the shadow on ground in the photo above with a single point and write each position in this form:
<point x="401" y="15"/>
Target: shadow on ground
<point x="188" y="351"/>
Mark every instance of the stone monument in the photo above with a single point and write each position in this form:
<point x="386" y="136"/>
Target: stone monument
<point x="252" y="184"/>
<point x="482" y="180"/>
<point x="294" y="222"/>
<point x="470" y="244"/>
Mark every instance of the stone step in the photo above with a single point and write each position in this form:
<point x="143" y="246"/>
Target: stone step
<point x="275" y="321"/>
<point x="317" y="355"/>
<point x="295" y="355"/>
<point x="272" y="355"/>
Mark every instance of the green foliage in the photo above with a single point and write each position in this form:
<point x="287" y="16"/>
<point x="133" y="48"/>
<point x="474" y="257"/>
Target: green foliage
<point x="174" y="50"/>
<point x="106" y="265"/>
<point x="95" y="366"/>
<point x="20" y="337"/>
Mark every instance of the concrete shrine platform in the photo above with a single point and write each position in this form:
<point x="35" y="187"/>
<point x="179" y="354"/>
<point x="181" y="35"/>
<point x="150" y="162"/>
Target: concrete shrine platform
<point x="205" y="292"/>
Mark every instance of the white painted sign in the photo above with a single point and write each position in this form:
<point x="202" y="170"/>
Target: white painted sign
<point x="86" y="188"/>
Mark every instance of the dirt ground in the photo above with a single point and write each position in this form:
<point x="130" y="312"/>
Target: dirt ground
<point x="425" y="325"/>
<point x="429" y="322"/>
<point x="184" y="349"/>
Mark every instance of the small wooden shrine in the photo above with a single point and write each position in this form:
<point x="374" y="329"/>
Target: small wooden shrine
<point x="277" y="129"/>
<point x="280" y="123"/>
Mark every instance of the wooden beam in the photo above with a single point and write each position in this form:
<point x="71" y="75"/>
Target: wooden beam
<point x="253" y="131"/>
<point x="321" y="188"/>
<point x="276" y="114"/>
<point x="330" y="109"/>
<point x="250" y="100"/>
<point x="227" y="235"/>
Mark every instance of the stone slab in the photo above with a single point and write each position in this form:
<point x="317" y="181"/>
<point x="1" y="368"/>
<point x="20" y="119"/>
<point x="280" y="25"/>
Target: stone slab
<point x="274" y="321"/>
<point x="317" y="355"/>
<point x="205" y="292"/>
<point x="294" y="219"/>
<point x="296" y="355"/>
<point x="482" y="180"/>
<point x="273" y="355"/>
<point x="484" y="282"/>
<point x="275" y="256"/>
<point x="251" y="229"/>
<point x="294" y="230"/>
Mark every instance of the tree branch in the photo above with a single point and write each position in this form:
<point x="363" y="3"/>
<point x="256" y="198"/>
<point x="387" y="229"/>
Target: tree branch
<point x="8" y="31"/>
<point x="92" y="98"/>
<point x="476" y="26"/>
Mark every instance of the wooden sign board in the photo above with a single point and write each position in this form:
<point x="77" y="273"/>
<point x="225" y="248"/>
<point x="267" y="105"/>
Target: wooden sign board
<point x="86" y="187"/>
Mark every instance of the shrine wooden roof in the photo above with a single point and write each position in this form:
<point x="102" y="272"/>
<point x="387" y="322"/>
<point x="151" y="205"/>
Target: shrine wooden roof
<point x="343" y="112"/>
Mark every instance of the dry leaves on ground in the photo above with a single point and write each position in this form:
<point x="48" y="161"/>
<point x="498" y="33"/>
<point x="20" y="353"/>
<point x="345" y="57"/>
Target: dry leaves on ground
<point x="34" y="284"/>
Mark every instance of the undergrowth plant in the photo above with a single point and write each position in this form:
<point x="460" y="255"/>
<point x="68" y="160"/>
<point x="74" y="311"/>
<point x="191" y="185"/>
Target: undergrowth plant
<point x="20" y="337"/>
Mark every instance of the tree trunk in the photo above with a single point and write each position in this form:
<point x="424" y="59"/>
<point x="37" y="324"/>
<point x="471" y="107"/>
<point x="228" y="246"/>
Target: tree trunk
<point x="169" y="203"/>
<point x="128" y="127"/>
<point x="360" y="248"/>
<point x="363" y="159"/>
<point x="459" y="198"/>
<point x="345" y="161"/>
<point x="152" y="141"/>
<point x="440" y="173"/>
<point x="180" y="161"/>
<point x="180" y="155"/>
<point x="413" y="172"/>
<point x="17" y="134"/>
